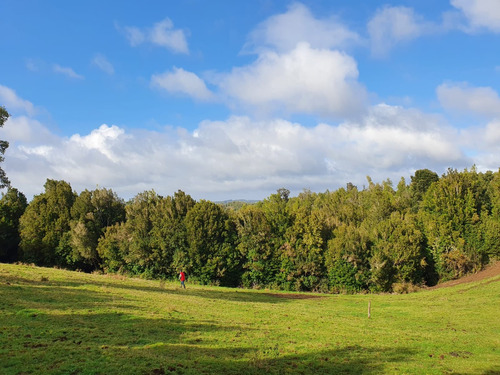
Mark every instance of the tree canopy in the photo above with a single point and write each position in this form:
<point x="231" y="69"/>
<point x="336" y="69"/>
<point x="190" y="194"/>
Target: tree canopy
<point x="380" y="238"/>
<point x="4" y="181"/>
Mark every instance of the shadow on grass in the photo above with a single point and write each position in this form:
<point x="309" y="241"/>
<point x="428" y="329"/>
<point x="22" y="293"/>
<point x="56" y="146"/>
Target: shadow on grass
<point x="123" y="344"/>
<point x="493" y="371"/>
<point x="203" y="360"/>
<point x="62" y="329"/>
<point x="225" y="294"/>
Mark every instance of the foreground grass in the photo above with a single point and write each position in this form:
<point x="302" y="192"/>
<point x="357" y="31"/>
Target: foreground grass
<point x="60" y="322"/>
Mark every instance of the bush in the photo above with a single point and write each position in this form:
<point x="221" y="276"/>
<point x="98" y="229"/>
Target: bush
<point x="405" y="288"/>
<point x="344" y="276"/>
<point x="456" y="263"/>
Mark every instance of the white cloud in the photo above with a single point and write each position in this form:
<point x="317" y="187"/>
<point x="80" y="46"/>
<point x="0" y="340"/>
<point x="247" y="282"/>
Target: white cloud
<point x="161" y="34"/>
<point x="134" y="35"/>
<point x="180" y="81"/>
<point x="26" y="130"/>
<point x="483" y="143"/>
<point x="164" y="34"/>
<point x="239" y="157"/>
<point x="464" y="99"/>
<point x="12" y="102"/>
<point x="304" y="80"/>
<point x="296" y="71"/>
<point x="102" y="63"/>
<point x="283" y="32"/>
<point x="492" y="134"/>
<point x="68" y="72"/>
<point x="480" y="13"/>
<point x="393" y="25"/>
<point x="100" y="139"/>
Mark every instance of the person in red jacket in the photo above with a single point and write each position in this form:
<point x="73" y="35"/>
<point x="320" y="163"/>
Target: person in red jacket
<point x="182" y="278"/>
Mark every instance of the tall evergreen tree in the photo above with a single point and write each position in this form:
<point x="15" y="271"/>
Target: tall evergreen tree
<point x="92" y="212"/>
<point x="4" y="115"/>
<point x="260" y="262"/>
<point x="45" y="225"/>
<point x="12" y="206"/>
<point x="212" y="244"/>
<point x="169" y="243"/>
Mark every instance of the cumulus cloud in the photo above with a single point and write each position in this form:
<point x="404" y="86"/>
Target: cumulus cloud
<point x="238" y="157"/>
<point x="299" y="69"/>
<point x="12" y="102"/>
<point x="393" y="25"/>
<point x="464" y="99"/>
<point x="492" y="133"/>
<point x="181" y="81"/>
<point x="283" y="32"/>
<point x="303" y="80"/>
<point x="161" y="34"/>
<point x="102" y="63"/>
<point x="480" y="14"/>
<point x="26" y="130"/>
<point x="68" y="72"/>
<point x="100" y="139"/>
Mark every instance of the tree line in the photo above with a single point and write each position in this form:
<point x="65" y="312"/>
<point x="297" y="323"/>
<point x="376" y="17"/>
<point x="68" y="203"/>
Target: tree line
<point x="380" y="238"/>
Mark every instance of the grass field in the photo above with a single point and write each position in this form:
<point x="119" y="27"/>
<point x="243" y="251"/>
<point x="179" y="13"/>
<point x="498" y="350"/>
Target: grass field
<point x="60" y="322"/>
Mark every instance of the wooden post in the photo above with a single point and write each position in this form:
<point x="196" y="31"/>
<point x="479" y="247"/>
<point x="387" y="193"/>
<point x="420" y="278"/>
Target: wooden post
<point x="369" y="309"/>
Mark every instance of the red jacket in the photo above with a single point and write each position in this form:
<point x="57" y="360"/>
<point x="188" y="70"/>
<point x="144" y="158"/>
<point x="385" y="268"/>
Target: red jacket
<point x="182" y="276"/>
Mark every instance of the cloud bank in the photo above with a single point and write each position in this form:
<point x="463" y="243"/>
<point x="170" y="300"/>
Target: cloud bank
<point x="245" y="158"/>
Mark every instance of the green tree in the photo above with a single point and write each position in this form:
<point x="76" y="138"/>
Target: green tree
<point x="302" y="265"/>
<point x="490" y="220"/>
<point x="140" y="212"/>
<point x="12" y="206"/>
<point x="254" y="243"/>
<point x="379" y="202"/>
<point x="347" y="258"/>
<point x="451" y="212"/>
<point x="4" y="115"/>
<point x="113" y="248"/>
<point x="169" y="243"/>
<point x="92" y="212"/>
<point x="45" y="225"/>
<point x="212" y="251"/>
<point x="152" y="241"/>
<point x="403" y="200"/>
<point x="494" y="195"/>
<point x="421" y="182"/>
<point x="399" y="252"/>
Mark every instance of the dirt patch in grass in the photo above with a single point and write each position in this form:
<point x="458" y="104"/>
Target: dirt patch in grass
<point x="294" y="295"/>
<point x="490" y="271"/>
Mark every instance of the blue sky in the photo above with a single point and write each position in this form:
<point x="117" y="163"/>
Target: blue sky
<point x="235" y="99"/>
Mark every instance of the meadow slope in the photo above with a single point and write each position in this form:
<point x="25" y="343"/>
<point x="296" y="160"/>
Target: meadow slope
<point x="60" y="322"/>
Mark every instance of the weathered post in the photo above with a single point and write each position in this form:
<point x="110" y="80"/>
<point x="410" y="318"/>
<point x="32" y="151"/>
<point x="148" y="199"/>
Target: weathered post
<point x="369" y="309"/>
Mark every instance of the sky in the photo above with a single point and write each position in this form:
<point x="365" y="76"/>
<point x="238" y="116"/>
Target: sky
<point x="228" y="99"/>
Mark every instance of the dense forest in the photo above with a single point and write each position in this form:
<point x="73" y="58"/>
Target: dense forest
<point x="380" y="238"/>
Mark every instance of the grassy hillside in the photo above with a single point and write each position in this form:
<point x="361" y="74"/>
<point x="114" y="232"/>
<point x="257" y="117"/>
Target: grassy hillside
<point x="60" y="322"/>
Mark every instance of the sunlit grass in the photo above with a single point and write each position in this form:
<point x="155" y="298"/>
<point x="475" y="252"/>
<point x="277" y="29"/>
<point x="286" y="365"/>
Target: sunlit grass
<point x="60" y="322"/>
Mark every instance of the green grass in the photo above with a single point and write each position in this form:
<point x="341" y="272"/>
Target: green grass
<point x="60" y="322"/>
